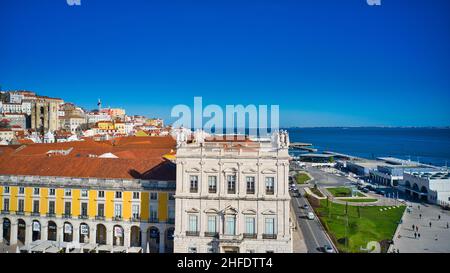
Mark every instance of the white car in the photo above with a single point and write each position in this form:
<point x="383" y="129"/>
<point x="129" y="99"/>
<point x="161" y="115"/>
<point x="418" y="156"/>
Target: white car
<point x="310" y="216"/>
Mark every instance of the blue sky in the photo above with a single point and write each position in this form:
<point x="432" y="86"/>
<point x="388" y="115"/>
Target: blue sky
<point x="325" y="62"/>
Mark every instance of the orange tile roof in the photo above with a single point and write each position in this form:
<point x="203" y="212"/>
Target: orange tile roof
<point x="137" y="158"/>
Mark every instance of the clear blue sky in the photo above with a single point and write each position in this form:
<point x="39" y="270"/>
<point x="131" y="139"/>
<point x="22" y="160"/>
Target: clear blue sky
<point x="325" y="62"/>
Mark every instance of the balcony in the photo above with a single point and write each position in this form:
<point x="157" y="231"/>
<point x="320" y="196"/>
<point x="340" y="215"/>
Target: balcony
<point x="5" y="212"/>
<point x="171" y="221"/>
<point x="231" y="191"/>
<point x="212" y="234"/>
<point x="153" y="220"/>
<point x="250" y="191"/>
<point x="250" y="235"/>
<point x="193" y="190"/>
<point x="21" y="213"/>
<point x="135" y="219"/>
<point x="269" y="192"/>
<point x="192" y="233"/>
<point x="51" y="214"/>
<point x="100" y="217"/>
<point x="212" y="190"/>
<point x="117" y="218"/>
<point x="35" y="213"/>
<point x="269" y="236"/>
<point x="83" y="217"/>
<point x="67" y="216"/>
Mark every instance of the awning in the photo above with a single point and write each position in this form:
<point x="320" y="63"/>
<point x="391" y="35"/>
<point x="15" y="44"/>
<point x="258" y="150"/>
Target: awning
<point x="135" y="250"/>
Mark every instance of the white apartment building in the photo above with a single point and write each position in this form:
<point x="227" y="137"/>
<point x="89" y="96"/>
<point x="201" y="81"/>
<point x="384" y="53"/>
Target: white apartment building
<point x="433" y="187"/>
<point x="232" y="195"/>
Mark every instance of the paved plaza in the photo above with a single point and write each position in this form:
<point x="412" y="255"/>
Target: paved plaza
<point x="427" y="243"/>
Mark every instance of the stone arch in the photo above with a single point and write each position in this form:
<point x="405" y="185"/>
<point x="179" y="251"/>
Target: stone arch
<point x="101" y="234"/>
<point x="21" y="230"/>
<point x="6" y="230"/>
<point x="135" y="236"/>
<point x="153" y="239"/>
<point x="118" y="235"/>
<point x="169" y="234"/>
<point x="84" y="232"/>
<point x="67" y="232"/>
<point x="36" y="230"/>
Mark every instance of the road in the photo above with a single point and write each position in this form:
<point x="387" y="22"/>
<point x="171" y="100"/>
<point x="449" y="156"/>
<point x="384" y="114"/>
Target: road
<point x="325" y="179"/>
<point x="314" y="235"/>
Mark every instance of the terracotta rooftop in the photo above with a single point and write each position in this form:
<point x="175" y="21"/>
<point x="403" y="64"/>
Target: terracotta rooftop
<point x="140" y="158"/>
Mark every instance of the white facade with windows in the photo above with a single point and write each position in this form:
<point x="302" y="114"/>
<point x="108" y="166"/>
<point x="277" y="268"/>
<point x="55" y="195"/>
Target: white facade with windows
<point x="232" y="196"/>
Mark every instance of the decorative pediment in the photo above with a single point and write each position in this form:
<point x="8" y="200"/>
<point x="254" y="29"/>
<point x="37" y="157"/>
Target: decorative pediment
<point x="249" y="170"/>
<point x="230" y="210"/>
<point x="269" y="171"/>
<point x="268" y="212"/>
<point x="230" y="170"/>
<point x="211" y="170"/>
<point x="249" y="212"/>
<point x="193" y="210"/>
<point x="211" y="211"/>
<point x="193" y="170"/>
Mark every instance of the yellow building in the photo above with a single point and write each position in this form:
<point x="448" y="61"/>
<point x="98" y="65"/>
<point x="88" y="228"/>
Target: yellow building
<point x="112" y="204"/>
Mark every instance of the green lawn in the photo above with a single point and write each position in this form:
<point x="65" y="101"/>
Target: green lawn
<point x="361" y="200"/>
<point x="369" y="224"/>
<point x="316" y="192"/>
<point x="301" y="178"/>
<point x="343" y="192"/>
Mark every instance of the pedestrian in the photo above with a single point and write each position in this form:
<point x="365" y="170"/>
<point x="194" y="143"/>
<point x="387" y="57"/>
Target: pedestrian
<point x="417" y="228"/>
<point x="439" y="217"/>
<point x="435" y="237"/>
<point x="398" y="250"/>
<point x="413" y="227"/>
<point x="447" y="225"/>
<point x="415" y="235"/>
<point x="418" y="235"/>
<point x="418" y="206"/>
<point x="420" y="216"/>
<point x="430" y="224"/>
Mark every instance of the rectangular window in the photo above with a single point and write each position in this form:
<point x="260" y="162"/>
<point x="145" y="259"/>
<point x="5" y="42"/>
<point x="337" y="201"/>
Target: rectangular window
<point x="51" y="207"/>
<point x="6" y="204"/>
<point x="153" y="196"/>
<point x="67" y="192"/>
<point x="193" y="179"/>
<point x="231" y="182"/>
<point x="230" y="225"/>
<point x="67" y="208"/>
<point x="52" y="192"/>
<point x="135" y="211"/>
<point x="118" y="210"/>
<point x="21" y="205"/>
<point x="250" y="225"/>
<point x="118" y="195"/>
<point x="212" y="184"/>
<point x="269" y="225"/>
<point x="84" y="209"/>
<point x="212" y="221"/>
<point x="193" y="223"/>
<point x="101" y="194"/>
<point x="36" y="206"/>
<point x="36" y="191"/>
<point x="250" y="184"/>
<point x="135" y="195"/>
<point x="84" y="193"/>
<point x="171" y="214"/>
<point x="270" y="181"/>
<point x="6" y="189"/>
<point x="21" y="190"/>
<point x="153" y="214"/>
<point x="101" y="210"/>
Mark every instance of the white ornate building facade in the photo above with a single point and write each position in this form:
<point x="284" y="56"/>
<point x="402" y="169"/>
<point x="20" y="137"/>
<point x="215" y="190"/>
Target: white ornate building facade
<point x="232" y="195"/>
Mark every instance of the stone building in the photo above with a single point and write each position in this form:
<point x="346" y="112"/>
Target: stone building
<point x="232" y="194"/>
<point x="44" y="114"/>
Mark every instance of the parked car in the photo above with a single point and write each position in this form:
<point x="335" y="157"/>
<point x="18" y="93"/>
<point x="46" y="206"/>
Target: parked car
<point x="365" y="190"/>
<point x="305" y="206"/>
<point x="328" y="249"/>
<point x="310" y="216"/>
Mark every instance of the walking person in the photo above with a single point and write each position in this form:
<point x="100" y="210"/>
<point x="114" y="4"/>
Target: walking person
<point x="418" y="235"/>
<point x="447" y="225"/>
<point x="435" y="237"/>
<point x="417" y="228"/>
<point x="420" y="216"/>
<point x="439" y="217"/>
<point x="413" y="227"/>
<point x="430" y="224"/>
<point x="415" y="235"/>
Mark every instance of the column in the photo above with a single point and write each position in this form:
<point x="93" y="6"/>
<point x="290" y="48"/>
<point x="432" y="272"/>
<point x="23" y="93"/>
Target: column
<point x="162" y="242"/>
<point x="44" y="232"/>
<point x="28" y="234"/>
<point x="1" y="231"/>
<point x="59" y="233"/>
<point x="109" y="235"/>
<point x="76" y="233"/>
<point x="127" y="236"/>
<point x="144" y="241"/>
<point x="13" y="234"/>
<point x="92" y="234"/>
